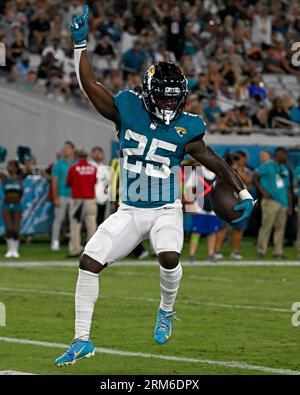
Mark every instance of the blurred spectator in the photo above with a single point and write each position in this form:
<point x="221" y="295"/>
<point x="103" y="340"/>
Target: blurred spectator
<point x="242" y="89"/>
<point x="260" y="118"/>
<point x="134" y="80"/>
<point x="225" y="93"/>
<point x="103" y="182"/>
<point x="175" y="32"/>
<point x="10" y="10"/>
<point x="14" y="75"/>
<point x="61" y="192"/>
<point x="273" y="182"/>
<point x="297" y="185"/>
<point x="142" y="18"/>
<point x="31" y="83"/>
<point x="3" y="34"/>
<point x="129" y="36"/>
<point x="12" y="208"/>
<point x="192" y="42"/>
<point x="295" y="112"/>
<point x="228" y="25"/>
<point x="214" y="77"/>
<point x="203" y="89"/>
<point x="57" y="52"/>
<point x="287" y="103"/>
<point x="134" y="59"/>
<point x="56" y="25"/>
<point x="17" y="47"/>
<point x="57" y="88"/>
<point x="82" y="178"/>
<point x="213" y="110"/>
<point x="236" y="61"/>
<point x="105" y="48"/>
<point x="244" y="120"/>
<point x="109" y="25"/>
<point x="229" y="122"/>
<point x="46" y="66"/>
<point x="244" y="167"/>
<point x="257" y="87"/>
<point x="278" y="111"/>
<point x="39" y="30"/>
<point x="193" y="105"/>
<point x="262" y="26"/>
<point x="264" y="156"/>
<point x="114" y="81"/>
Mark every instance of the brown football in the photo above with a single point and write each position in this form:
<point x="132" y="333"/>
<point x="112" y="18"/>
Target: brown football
<point x="223" y="198"/>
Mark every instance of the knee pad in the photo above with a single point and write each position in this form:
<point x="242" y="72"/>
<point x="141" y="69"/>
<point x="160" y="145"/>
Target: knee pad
<point x="169" y="259"/>
<point x="89" y="264"/>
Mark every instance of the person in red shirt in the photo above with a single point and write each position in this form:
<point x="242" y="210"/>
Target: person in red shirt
<point x="82" y="178"/>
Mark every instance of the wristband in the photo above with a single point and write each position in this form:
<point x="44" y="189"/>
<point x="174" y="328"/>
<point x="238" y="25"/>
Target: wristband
<point x="244" y="194"/>
<point x="80" y="45"/>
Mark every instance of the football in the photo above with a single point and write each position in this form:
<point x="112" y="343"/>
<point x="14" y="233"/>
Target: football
<point x="223" y="199"/>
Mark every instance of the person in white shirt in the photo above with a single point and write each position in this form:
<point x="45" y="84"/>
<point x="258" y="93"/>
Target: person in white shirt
<point x="103" y="182"/>
<point x="262" y="27"/>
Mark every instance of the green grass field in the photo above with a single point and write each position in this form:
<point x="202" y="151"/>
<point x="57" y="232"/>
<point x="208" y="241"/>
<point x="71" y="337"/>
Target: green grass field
<point x="228" y="314"/>
<point x="40" y="250"/>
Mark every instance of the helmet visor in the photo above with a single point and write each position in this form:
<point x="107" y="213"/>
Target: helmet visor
<point x="169" y="99"/>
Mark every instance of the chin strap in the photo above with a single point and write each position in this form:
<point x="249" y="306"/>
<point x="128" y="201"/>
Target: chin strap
<point x="166" y="116"/>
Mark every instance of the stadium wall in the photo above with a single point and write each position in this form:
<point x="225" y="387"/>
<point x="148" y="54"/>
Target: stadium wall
<point x="43" y="125"/>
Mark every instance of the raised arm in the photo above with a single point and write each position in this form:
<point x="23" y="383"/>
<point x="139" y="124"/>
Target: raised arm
<point x="101" y="98"/>
<point x="208" y="158"/>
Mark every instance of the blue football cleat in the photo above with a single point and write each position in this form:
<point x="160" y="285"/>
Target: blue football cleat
<point x="78" y="349"/>
<point x="163" y="328"/>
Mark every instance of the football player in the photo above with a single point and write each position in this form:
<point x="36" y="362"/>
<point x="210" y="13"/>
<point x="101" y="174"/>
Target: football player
<point x="154" y="135"/>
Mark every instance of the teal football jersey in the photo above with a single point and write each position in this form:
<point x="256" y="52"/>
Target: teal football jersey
<point x="151" y="152"/>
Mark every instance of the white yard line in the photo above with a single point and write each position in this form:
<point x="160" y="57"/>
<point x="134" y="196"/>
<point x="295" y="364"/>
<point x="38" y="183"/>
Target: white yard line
<point x="155" y="275"/>
<point x="212" y="304"/>
<point x="101" y="350"/>
<point x="38" y="264"/>
<point x="37" y="291"/>
<point x="195" y="277"/>
<point x="14" y="373"/>
<point x="152" y="263"/>
<point x="152" y="300"/>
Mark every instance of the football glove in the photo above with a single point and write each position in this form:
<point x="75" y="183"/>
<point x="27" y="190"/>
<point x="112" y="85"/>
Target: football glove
<point x="246" y="206"/>
<point x="79" y="27"/>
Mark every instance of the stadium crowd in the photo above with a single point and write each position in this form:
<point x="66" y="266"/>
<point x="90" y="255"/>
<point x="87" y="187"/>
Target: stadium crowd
<point x="225" y="48"/>
<point x="84" y="191"/>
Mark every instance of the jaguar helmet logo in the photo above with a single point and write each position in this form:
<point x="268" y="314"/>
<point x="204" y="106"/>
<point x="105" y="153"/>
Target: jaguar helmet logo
<point x="151" y="71"/>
